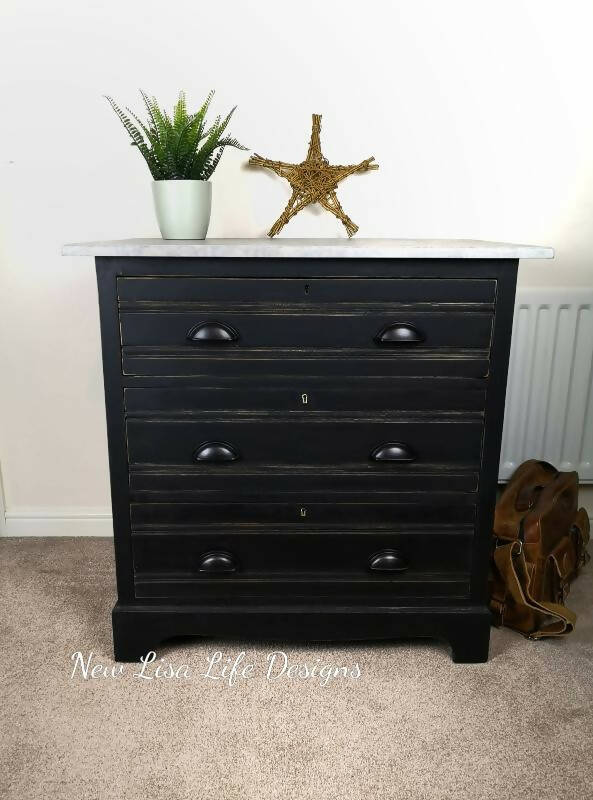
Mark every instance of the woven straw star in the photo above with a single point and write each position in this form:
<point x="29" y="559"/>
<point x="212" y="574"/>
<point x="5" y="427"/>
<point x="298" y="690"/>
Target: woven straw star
<point x="314" y="180"/>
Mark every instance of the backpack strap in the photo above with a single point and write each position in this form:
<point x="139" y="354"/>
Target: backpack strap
<point x="510" y="562"/>
<point x="581" y="530"/>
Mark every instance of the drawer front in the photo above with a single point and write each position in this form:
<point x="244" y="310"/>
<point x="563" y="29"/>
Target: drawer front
<point x="303" y="440"/>
<point x="314" y="395"/>
<point x="217" y="485"/>
<point x="317" y="588"/>
<point x="290" y="565"/>
<point x="263" y="365"/>
<point x="229" y="330"/>
<point x="405" y="508"/>
<point x="258" y="553"/>
<point x="314" y="290"/>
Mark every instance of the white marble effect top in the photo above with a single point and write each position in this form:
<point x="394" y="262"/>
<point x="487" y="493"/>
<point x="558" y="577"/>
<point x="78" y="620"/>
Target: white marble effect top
<point x="308" y="248"/>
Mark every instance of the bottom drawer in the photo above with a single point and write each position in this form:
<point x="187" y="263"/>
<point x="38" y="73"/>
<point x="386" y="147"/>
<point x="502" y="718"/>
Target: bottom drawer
<point x="416" y="564"/>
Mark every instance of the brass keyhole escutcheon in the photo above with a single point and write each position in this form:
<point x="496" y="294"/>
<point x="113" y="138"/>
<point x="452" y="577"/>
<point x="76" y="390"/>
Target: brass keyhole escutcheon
<point x="303" y="512"/>
<point x="305" y="398"/>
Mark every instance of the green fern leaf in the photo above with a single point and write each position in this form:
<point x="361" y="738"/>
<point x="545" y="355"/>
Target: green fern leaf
<point x="132" y="130"/>
<point x="160" y="122"/>
<point x="231" y="142"/>
<point x="180" y="112"/>
<point x="211" y="164"/>
<point x="148" y="104"/>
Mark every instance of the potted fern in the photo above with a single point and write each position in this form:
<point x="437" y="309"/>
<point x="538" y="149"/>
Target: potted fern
<point x="181" y="152"/>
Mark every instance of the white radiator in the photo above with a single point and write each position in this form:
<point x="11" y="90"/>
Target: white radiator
<point x="549" y="405"/>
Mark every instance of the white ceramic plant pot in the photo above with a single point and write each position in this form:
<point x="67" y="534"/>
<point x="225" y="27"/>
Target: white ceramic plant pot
<point x="182" y="208"/>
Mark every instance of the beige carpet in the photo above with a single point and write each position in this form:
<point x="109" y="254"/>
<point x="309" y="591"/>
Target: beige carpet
<point x="414" y="725"/>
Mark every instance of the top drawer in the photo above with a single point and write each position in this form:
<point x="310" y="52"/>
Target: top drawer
<point x="314" y="290"/>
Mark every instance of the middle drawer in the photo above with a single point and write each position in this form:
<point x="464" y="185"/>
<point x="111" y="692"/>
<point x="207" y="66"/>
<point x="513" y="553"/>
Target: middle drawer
<point x="302" y="440"/>
<point x="229" y="330"/>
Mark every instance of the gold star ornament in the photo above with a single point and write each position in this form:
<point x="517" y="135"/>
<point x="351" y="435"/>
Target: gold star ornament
<point x="314" y="180"/>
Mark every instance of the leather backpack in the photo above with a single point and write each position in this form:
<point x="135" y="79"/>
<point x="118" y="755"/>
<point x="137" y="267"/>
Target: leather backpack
<point x="540" y="541"/>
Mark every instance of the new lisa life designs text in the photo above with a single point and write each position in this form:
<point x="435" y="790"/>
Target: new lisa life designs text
<point x="277" y="666"/>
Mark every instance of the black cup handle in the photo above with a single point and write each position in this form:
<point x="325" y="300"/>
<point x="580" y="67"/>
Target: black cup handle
<point x="393" y="451"/>
<point x="212" y="333"/>
<point x="216" y="451"/>
<point x="217" y="561"/>
<point x="399" y="333"/>
<point x="388" y="561"/>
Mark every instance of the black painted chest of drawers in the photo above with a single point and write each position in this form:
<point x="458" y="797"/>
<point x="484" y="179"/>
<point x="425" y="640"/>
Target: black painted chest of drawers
<point x="304" y="448"/>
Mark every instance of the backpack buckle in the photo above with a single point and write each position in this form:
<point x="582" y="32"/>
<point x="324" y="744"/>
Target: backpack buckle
<point x="498" y="542"/>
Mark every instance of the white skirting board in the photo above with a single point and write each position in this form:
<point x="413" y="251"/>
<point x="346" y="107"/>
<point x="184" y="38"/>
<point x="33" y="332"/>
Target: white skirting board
<point x="549" y="405"/>
<point x="58" y="522"/>
<point x="2" y="508"/>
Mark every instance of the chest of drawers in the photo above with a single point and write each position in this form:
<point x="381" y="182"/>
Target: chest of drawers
<point x="304" y="440"/>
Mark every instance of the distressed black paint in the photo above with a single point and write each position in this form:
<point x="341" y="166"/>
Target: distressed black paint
<point x="306" y="392"/>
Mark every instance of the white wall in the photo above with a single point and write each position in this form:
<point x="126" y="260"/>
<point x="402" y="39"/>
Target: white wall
<point x="480" y="115"/>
